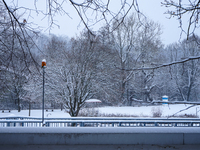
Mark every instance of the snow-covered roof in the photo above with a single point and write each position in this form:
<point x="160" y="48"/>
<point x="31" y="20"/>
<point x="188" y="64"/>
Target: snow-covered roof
<point x="93" y="101"/>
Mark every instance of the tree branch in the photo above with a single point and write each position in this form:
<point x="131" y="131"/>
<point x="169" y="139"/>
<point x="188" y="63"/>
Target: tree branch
<point x="163" y="65"/>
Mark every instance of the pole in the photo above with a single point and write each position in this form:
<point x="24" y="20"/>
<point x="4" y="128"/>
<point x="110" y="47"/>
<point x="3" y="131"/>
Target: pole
<point x="43" y="66"/>
<point x="43" y="99"/>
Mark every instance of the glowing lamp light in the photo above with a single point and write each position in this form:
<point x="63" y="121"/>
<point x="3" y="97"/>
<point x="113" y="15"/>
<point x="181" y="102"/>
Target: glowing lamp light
<point x="44" y="63"/>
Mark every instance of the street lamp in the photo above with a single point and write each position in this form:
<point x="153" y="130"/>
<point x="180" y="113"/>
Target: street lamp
<point x="43" y="66"/>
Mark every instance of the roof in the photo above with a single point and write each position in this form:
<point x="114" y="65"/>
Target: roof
<point x="93" y="101"/>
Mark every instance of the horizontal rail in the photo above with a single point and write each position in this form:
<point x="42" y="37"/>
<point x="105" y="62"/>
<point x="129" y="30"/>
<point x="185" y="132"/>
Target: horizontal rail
<point x="99" y="123"/>
<point x="123" y="123"/>
<point x="100" y="118"/>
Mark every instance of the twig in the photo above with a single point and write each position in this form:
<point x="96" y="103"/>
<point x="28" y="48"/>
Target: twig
<point x="164" y="65"/>
<point x="181" y="111"/>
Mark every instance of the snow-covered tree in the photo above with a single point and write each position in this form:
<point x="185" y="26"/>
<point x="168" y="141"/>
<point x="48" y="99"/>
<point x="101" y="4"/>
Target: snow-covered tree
<point x="135" y="43"/>
<point x="186" y="75"/>
<point x="70" y="72"/>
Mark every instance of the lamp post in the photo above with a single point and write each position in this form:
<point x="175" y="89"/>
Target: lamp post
<point x="43" y="66"/>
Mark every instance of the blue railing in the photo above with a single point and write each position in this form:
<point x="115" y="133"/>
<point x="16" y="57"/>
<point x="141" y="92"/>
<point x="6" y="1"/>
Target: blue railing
<point x="97" y="122"/>
<point x="100" y="118"/>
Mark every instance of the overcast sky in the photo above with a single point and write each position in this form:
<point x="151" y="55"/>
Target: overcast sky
<point x="153" y="10"/>
<point x="70" y="26"/>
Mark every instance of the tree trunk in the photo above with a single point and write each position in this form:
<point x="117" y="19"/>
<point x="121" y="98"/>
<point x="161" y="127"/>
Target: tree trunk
<point x="61" y="106"/>
<point x="29" y="109"/>
<point x="19" y="107"/>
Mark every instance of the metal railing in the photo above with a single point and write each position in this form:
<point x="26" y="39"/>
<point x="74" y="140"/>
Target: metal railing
<point x="100" y="118"/>
<point x="97" y="122"/>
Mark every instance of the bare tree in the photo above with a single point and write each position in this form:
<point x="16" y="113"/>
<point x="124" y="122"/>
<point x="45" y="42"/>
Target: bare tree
<point x="70" y="72"/>
<point x="16" y="19"/>
<point x="136" y="44"/>
<point x="186" y="74"/>
<point x="125" y="39"/>
<point x="89" y="12"/>
<point x="14" y="28"/>
<point x="33" y="89"/>
<point x="15" y="52"/>
<point x="188" y="9"/>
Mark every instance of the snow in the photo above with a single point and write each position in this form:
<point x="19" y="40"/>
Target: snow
<point x="143" y="111"/>
<point x="93" y="101"/>
<point x="36" y="114"/>
<point x="146" y="111"/>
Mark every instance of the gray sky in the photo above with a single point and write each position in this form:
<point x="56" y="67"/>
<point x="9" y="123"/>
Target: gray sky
<point x="154" y="11"/>
<point x="151" y="8"/>
<point x="71" y="27"/>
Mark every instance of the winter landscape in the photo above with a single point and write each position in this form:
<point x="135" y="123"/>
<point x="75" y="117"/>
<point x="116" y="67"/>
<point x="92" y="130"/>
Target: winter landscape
<point x="162" y="111"/>
<point x="123" y="62"/>
<point x="130" y="66"/>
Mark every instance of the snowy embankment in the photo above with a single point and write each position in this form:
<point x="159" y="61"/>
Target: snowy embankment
<point x="143" y="111"/>
<point x="146" y="111"/>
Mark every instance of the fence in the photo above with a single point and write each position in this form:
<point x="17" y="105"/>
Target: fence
<point x="97" y="122"/>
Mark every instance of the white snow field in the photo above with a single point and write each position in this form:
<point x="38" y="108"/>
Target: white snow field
<point x="146" y="111"/>
<point x="143" y="111"/>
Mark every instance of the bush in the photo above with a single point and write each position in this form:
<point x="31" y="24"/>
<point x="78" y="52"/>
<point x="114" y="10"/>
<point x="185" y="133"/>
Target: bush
<point x="89" y="112"/>
<point x="156" y="112"/>
<point x="94" y="112"/>
<point x="117" y="115"/>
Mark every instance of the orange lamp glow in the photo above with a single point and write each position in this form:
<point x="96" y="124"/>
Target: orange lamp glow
<point x="44" y="63"/>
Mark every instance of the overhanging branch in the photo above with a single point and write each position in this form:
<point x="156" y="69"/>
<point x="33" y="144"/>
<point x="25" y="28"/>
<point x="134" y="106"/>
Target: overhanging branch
<point x="164" y="65"/>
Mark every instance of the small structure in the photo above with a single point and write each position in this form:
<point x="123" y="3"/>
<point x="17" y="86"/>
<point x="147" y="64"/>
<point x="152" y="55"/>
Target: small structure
<point x="92" y="102"/>
<point x="165" y="99"/>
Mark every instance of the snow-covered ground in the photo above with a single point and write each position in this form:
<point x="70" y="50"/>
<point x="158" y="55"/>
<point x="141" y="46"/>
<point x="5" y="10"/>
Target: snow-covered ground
<point x="36" y="113"/>
<point x="143" y="111"/>
<point x="146" y="111"/>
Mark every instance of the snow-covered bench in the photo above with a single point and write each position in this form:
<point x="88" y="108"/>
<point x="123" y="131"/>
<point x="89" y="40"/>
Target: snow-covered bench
<point x="51" y="109"/>
<point x="6" y="110"/>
